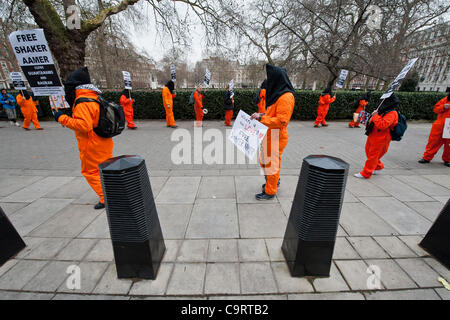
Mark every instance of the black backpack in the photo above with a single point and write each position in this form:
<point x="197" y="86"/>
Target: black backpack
<point x="399" y="130"/>
<point x="111" y="121"/>
<point x="191" y="98"/>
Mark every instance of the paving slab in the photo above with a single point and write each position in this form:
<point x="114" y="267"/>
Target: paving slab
<point x="172" y="247"/>
<point x="395" y="247"/>
<point x="73" y="189"/>
<point x="91" y="273"/>
<point x="15" y="296"/>
<point x="439" y="268"/>
<point x="19" y="275"/>
<point x="364" y="188"/>
<point x="251" y="297"/>
<point x="174" y="219"/>
<point x="367" y="248"/>
<point x="441" y="179"/>
<point x="424" y="185"/>
<point x="252" y="250"/>
<point x="193" y="251"/>
<point x="443" y="293"/>
<point x="288" y="186"/>
<point x="343" y="250"/>
<point x="32" y="216"/>
<point x="110" y="284"/>
<point x="286" y="206"/>
<point x="247" y="187"/>
<point x="358" y="220"/>
<point x="257" y="278"/>
<point x="392" y="276"/>
<point x="403" y="219"/>
<point x="98" y="229"/>
<point x="102" y="251"/>
<point x="355" y="273"/>
<point x="154" y="287"/>
<point x="420" y="272"/>
<point x="413" y="243"/>
<point x="47" y="249"/>
<point x="261" y="220"/>
<point x="213" y="218"/>
<point x="67" y="223"/>
<point x="217" y="188"/>
<point x="428" y="210"/>
<point x="157" y="183"/>
<point x="179" y="190"/>
<point x="334" y="283"/>
<point x="223" y="250"/>
<point x="399" y="190"/>
<point x="7" y="265"/>
<point x="327" y="296"/>
<point x="222" y="278"/>
<point x="50" y="277"/>
<point x="274" y="249"/>
<point x="287" y="283"/>
<point x="187" y="279"/>
<point x="419" y="294"/>
<point x="76" y="250"/>
<point x="38" y="189"/>
<point x="31" y="244"/>
<point x="10" y="208"/>
<point x="82" y="297"/>
<point x="88" y="198"/>
<point x="12" y="184"/>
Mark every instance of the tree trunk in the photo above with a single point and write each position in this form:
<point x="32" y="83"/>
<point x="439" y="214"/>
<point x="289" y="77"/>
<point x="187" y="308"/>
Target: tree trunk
<point x="71" y="56"/>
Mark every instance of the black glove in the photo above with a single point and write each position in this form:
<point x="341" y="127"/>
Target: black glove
<point x="57" y="114"/>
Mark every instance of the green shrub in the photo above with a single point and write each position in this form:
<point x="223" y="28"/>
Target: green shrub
<point x="414" y="105"/>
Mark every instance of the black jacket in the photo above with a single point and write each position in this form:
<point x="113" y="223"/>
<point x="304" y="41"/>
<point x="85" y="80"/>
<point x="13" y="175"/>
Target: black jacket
<point x="228" y="103"/>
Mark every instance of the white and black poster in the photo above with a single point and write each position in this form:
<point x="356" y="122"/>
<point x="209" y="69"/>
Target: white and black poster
<point x="34" y="57"/>
<point x="231" y="88"/>
<point x="18" y="82"/>
<point x="207" y="77"/>
<point x="127" y="80"/>
<point x="394" y="85"/>
<point x="173" y="73"/>
<point x="342" y="78"/>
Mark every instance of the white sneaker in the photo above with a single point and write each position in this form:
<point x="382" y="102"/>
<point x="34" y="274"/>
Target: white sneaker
<point x="17" y="124"/>
<point x="359" y="176"/>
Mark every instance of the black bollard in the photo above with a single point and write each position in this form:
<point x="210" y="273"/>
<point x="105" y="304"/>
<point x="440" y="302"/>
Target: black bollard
<point x="10" y="241"/>
<point x="136" y="234"/>
<point x="314" y="219"/>
<point x="437" y="240"/>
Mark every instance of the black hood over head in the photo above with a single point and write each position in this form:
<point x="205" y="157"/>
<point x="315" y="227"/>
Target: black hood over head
<point x="389" y="104"/>
<point x="75" y="79"/>
<point x="25" y="94"/>
<point x="171" y="85"/>
<point x="126" y="93"/>
<point x="278" y="83"/>
<point x="366" y="96"/>
<point x="327" y="91"/>
<point x="264" y="84"/>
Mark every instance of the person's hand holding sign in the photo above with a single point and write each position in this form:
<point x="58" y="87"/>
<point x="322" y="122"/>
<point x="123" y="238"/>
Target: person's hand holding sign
<point x="56" y="114"/>
<point x="256" y="116"/>
<point x="447" y="106"/>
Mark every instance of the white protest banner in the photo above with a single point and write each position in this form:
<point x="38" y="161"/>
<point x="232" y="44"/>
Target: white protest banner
<point x="173" y="73"/>
<point x="34" y="57"/>
<point x="58" y="102"/>
<point x="446" y="132"/>
<point x="127" y="80"/>
<point x="17" y="80"/>
<point x="394" y="85"/>
<point x="247" y="134"/>
<point x="207" y="77"/>
<point x="231" y="88"/>
<point x="342" y="78"/>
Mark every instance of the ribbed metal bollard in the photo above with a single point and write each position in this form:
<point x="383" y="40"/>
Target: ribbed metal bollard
<point x="314" y="219"/>
<point x="437" y="240"/>
<point x="10" y="241"/>
<point x="136" y="233"/>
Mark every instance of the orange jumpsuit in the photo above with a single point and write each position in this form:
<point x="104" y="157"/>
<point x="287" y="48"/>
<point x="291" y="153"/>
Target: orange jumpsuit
<point x="322" y="110"/>
<point x="93" y="149"/>
<point x="167" y="97"/>
<point x="262" y="101"/>
<point x="361" y="107"/>
<point x="127" y="105"/>
<point x="378" y="142"/>
<point x="228" y="117"/>
<point x="277" y="118"/>
<point x="198" y="108"/>
<point x="435" y="141"/>
<point x="29" y="111"/>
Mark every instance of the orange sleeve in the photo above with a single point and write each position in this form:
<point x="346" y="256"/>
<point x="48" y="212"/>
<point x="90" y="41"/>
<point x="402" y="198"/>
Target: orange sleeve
<point x="81" y="120"/>
<point x="333" y="99"/>
<point x="166" y="95"/>
<point x="19" y="100"/>
<point x="386" y="121"/>
<point x="123" y="100"/>
<point x="438" y="107"/>
<point x="285" y="106"/>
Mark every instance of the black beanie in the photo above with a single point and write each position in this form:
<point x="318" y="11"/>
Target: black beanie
<point x="78" y="77"/>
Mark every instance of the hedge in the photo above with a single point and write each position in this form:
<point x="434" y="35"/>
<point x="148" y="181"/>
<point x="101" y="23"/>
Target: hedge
<point x="414" y="105"/>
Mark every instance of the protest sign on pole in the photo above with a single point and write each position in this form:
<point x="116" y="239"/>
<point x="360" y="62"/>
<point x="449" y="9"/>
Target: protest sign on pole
<point x="18" y="82"/>
<point x="127" y="80"/>
<point x="58" y="102"/>
<point x="231" y="88"/>
<point x="446" y="132"/>
<point x="247" y="135"/>
<point x="34" y="57"/>
<point x="207" y="77"/>
<point x="342" y="78"/>
<point x="394" y="85"/>
<point x="173" y="73"/>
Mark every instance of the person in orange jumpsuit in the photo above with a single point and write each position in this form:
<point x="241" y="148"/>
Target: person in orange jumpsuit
<point x="280" y="102"/>
<point x="127" y="104"/>
<point x="360" y="106"/>
<point x="228" y="105"/>
<point x="29" y="111"/>
<point x="168" y="94"/>
<point x="198" y="106"/>
<point x="435" y="140"/>
<point x="324" y="105"/>
<point x="85" y="115"/>
<point x="262" y="97"/>
<point x="383" y="120"/>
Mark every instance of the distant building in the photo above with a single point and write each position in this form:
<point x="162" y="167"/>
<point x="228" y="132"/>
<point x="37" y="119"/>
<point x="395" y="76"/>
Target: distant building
<point x="6" y="67"/>
<point x="432" y="47"/>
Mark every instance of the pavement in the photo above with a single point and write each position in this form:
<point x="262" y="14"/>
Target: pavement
<point x="221" y="243"/>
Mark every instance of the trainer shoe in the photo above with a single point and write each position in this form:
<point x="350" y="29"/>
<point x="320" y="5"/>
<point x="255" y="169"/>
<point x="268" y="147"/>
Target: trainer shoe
<point x="447" y="164"/>
<point x="359" y="176"/>
<point x="263" y="196"/>
<point x="423" y="161"/>
<point x="17" y="124"/>
<point x="99" y="206"/>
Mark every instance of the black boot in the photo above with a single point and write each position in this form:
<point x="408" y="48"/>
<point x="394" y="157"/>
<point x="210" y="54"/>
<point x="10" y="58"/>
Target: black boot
<point x="99" y="206"/>
<point x="263" y="196"/>
<point x="447" y="164"/>
<point x="423" y="161"/>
